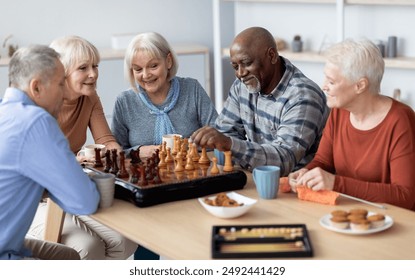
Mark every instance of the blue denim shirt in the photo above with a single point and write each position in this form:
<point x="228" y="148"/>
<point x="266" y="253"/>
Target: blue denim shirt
<point x="34" y="157"/>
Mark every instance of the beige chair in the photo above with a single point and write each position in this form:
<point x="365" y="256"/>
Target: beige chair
<point x="55" y="217"/>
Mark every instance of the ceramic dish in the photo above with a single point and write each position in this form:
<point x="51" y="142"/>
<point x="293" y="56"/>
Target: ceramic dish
<point x="325" y="222"/>
<point x="229" y="212"/>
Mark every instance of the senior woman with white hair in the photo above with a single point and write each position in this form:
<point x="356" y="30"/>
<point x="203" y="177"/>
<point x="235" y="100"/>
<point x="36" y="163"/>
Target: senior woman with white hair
<point x="158" y="101"/>
<point x="368" y="145"/>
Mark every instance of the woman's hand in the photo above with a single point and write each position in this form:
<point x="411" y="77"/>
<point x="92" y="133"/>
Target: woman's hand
<point x="147" y="151"/>
<point x="293" y="178"/>
<point x="113" y="145"/>
<point x="317" y="179"/>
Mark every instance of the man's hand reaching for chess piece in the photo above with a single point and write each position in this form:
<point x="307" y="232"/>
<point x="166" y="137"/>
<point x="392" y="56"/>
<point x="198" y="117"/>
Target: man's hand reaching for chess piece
<point x="211" y="138"/>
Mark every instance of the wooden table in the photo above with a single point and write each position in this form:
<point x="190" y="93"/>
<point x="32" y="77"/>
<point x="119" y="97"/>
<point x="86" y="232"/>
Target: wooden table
<point x="182" y="229"/>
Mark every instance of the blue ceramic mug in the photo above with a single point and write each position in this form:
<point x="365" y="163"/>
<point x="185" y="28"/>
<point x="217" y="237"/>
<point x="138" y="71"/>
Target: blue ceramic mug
<point x="267" y="181"/>
<point x="220" y="156"/>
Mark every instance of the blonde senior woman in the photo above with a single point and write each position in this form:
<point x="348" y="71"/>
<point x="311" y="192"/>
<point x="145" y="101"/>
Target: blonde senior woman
<point x="82" y="108"/>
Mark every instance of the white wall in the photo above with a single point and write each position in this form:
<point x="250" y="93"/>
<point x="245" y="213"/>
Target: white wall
<point x="41" y="21"/>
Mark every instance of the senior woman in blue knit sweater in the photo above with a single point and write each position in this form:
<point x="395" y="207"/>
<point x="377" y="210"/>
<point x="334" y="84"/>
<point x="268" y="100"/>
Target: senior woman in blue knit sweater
<point x="158" y="101"/>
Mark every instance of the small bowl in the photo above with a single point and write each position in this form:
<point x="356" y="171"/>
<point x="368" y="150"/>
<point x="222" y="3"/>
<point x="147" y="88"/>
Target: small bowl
<point x="229" y="212"/>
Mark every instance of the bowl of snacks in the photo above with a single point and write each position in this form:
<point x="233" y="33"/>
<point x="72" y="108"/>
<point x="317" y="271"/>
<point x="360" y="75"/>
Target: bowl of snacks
<point x="227" y="205"/>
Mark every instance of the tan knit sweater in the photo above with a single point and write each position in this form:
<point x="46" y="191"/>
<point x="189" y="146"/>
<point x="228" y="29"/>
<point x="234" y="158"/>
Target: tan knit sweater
<point x="77" y="115"/>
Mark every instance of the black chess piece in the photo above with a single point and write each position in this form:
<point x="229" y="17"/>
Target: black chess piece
<point x="143" y="181"/>
<point x="108" y="161"/>
<point x="122" y="173"/>
<point x="114" y="169"/>
<point x="134" y="174"/>
<point x="135" y="156"/>
<point x="98" y="162"/>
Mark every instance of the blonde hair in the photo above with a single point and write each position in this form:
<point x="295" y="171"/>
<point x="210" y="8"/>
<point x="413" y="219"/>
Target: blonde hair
<point x="153" y="44"/>
<point x="74" y="49"/>
<point x="358" y="59"/>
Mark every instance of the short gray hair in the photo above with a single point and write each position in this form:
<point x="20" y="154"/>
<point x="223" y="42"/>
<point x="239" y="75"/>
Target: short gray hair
<point x="153" y="44"/>
<point x="74" y="49"/>
<point x="35" y="61"/>
<point x="358" y="59"/>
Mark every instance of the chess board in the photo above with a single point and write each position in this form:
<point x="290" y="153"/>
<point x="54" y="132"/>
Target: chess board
<point x="172" y="185"/>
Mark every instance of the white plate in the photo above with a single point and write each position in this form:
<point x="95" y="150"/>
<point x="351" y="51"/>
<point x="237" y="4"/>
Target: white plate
<point x="325" y="222"/>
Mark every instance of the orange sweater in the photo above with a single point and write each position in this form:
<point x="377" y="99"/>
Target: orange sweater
<point x="77" y="115"/>
<point x="376" y="165"/>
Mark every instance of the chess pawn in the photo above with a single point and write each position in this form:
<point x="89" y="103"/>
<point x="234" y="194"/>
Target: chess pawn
<point x="214" y="169"/>
<point x="178" y="155"/>
<point x="179" y="164"/>
<point x="162" y="163"/>
<point x="189" y="163"/>
<point x="169" y="157"/>
<point x="228" y="167"/>
<point x="204" y="159"/>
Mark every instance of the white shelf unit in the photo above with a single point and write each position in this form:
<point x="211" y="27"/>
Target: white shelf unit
<point x="339" y="7"/>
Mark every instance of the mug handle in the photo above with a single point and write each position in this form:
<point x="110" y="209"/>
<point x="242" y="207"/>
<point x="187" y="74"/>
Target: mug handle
<point x="80" y="153"/>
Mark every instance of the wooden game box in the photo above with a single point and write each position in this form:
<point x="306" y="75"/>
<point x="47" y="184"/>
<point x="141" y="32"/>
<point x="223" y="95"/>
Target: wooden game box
<point x="261" y="241"/>
<point x="176" y="186"/>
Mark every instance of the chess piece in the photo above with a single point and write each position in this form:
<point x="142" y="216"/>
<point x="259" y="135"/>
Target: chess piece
<point x="189" y="163"/>
<point x="164" y="147"/>
<point x="214" y="169"/>
<point x="108" y="161"/>
<point x="143" y="180"/>
<point x="122" y="173"/>
<point x="156" y="156"/>
<point x="134" y="174"/>
<point x="204" y="159"/>
<point x="183" y="152"/>
<point x="195" y="153"/>
<point x="148" y="170"/>
<point x="114" y="169"/>
<point x="228" y="167"/>
<point x="169" y="157"/>
<point x="156" y="177"/>
<point x="135" y="156"/>
<point x="176" y="145"/>
<point x="179" y="164"/>
<point x="162" y="162"/>
<point x="98" y="162"/>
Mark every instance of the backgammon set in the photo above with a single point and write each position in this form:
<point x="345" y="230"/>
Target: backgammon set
<point x="261" y="241"/>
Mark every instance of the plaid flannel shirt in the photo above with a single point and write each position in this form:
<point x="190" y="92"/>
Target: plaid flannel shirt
<point x="283" y="128"/>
